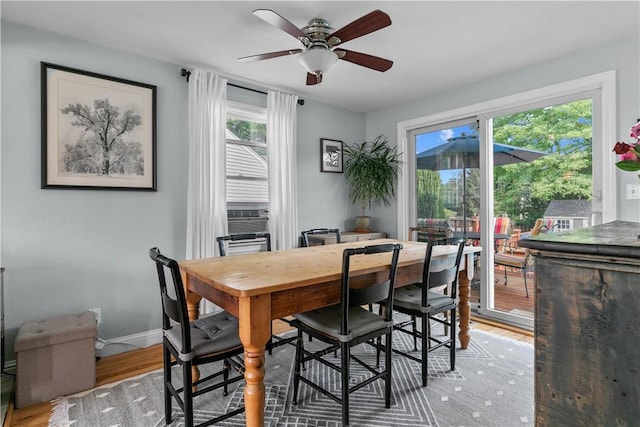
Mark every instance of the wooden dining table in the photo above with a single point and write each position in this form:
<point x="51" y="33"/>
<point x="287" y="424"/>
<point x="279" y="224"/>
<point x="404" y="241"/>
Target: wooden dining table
<point x="260" y="287"/>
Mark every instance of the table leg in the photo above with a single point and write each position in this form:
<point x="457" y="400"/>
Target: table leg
<point x="255" y="330"/>
<point x="464" y="308"/>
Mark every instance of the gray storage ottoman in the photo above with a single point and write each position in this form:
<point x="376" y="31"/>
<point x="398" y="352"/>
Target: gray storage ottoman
<point x="55" y="357"/>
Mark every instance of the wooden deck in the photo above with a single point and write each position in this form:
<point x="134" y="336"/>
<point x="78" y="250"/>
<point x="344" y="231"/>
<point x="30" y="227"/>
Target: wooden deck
<point x="512" y="296"/>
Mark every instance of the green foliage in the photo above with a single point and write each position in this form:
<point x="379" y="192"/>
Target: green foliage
<point x="524" y="190"/>
<point x="429" y="202"/>
<point x="628" y="165"/>
<point x="472" y="197"/>
<point x="248" y="131"/>
<point x="371" y="169"/>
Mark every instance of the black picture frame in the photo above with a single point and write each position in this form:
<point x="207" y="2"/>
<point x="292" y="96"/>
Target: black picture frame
<point x="331" y="155"/>
<point x="98" y="131"/>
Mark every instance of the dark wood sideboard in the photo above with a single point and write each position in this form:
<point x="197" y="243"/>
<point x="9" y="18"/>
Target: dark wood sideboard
<point x="587" y="326"/>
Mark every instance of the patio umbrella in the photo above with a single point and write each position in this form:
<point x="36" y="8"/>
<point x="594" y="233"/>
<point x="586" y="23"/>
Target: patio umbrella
<point x="463" y="152"/>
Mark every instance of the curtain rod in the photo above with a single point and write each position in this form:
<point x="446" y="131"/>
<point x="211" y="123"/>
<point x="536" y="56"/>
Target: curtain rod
<point x="186" y="73"/>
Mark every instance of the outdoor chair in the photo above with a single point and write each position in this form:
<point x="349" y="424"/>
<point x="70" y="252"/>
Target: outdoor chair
<point x="347" y="324"/>
<point x="307" y="233"/>
<point x="518" y="258"/>
<point x="421" y="300"/>
<point x="188" y="344"/>
<point x="502" y="225"/>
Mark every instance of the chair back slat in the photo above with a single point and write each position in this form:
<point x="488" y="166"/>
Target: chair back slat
<point x="174" y="308"/>
<point x="227" y="243"/>
<point x="372" y="293"/>
<point x="171" y="309"/>
<point x="442" y="277"/>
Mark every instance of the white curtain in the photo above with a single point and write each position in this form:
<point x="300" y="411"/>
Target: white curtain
<point x="206" y="198"/>
<point x="283" y="195"/>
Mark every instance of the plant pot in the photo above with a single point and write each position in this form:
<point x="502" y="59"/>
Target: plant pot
<point x="362" y="224"/>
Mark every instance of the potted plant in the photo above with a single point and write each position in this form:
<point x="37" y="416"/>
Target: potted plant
<point x="371" y="169"/>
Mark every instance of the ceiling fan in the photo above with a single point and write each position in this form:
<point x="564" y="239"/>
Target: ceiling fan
<point x="319" y="41"/>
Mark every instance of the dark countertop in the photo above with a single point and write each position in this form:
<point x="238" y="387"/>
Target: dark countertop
<point x="617" y="238"/>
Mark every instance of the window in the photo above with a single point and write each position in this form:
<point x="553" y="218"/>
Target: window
<point x="563" y="224"/>
<point x="247" y="173"/>
<point x="247" y="177"/>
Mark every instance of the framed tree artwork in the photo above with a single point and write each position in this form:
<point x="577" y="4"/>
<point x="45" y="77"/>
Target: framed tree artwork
<point x="330" y="155"/>
<point x="98" y="132"/>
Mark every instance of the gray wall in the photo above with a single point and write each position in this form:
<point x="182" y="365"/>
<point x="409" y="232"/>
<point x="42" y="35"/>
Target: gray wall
<point x="621" y="56"/>
<point x="66" y="251"/>
<point x="322" y="196"/>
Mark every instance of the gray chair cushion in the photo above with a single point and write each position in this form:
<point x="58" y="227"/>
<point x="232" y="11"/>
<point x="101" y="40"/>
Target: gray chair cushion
<point x="327" y="321"/>
<point x="211" y="334"/>
<point x="409" y="299"/>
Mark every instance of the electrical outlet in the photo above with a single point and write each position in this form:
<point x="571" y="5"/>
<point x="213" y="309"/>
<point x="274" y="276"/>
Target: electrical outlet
<point x="633" y="191"/>
<point x="98" y="314"/>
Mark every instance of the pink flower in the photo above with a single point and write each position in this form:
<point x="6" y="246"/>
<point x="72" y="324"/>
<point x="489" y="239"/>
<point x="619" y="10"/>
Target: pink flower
<point x="630" y="155"/>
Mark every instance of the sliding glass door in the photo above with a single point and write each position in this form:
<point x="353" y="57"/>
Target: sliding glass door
<point x="542" y="183"/>
<point x="540" y="163"/>
<point x="446" y="185"/>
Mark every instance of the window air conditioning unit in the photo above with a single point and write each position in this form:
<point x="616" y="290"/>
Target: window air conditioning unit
<point x="247" y="220"/>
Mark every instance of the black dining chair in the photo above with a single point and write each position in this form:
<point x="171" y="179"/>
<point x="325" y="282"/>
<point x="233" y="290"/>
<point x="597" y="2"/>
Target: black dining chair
<point x="203" y="341"/>
<point x="307" y="233"/>
<point x="248" y="242"/>
<point x="419" y="300"/>
<point x="344" y="325"/>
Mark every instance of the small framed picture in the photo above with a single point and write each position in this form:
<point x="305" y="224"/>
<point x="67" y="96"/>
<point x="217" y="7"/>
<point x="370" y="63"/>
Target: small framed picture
<point x="98" y="131"/>
<point x="330" y="155"/>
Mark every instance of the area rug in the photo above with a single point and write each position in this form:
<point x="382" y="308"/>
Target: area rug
<point x="492" y="386"/>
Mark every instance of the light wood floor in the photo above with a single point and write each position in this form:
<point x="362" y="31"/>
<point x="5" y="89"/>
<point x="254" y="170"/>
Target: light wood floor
<point x="136" y="362"/>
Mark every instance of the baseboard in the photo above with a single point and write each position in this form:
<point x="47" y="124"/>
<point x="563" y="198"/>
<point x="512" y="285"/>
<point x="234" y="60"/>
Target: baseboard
<point x="127" y="343"/>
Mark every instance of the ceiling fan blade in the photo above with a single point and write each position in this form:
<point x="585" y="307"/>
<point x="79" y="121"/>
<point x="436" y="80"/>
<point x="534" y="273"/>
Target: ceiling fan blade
<point x="365" y="60"/>
<point x="313" y="79"/>
<point x="269" y="55"/>
<point x="276" y="20"/>
<point x="369" y="23"/>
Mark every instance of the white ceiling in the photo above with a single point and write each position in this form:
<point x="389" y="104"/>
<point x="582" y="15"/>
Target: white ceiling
<point x="435" y="46"/>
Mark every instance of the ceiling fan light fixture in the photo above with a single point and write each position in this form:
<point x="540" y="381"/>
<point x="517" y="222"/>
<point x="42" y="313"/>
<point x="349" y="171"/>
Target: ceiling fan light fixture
<point x="317" y="60"/>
